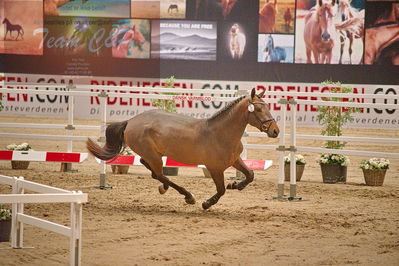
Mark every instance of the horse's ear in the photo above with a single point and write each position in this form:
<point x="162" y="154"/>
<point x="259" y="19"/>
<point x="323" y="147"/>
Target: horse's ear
<point x="253" y="93"/>
<point x="260" y="95"/>
<point x="320" y="2"/>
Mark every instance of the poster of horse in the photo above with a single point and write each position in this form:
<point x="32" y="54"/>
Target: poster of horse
<point x="221" y="9"/>
<point x="328" y="32"/>
<point x="276" y="16"/>
<point x="89" y="8"/>
<point x="172" y="9"/>
<point x="20" y="22"/>
<point x="382" y="34"/>
<point x="131" y="38"/>
<point x="237" y="41"/>
<point x="276" y="48"/>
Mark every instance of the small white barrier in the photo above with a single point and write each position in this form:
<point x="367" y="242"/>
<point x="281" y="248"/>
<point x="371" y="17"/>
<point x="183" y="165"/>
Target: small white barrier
<point x="48" y="195"/>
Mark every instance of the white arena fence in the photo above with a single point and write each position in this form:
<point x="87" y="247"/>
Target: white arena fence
<point x="47" y="194"/>
<point x="282" y="98"/>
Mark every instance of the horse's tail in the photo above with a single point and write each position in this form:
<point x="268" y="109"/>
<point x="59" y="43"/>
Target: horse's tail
<point x="113" y="144"/>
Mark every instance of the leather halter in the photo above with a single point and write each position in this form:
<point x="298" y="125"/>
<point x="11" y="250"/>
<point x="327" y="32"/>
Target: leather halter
<point x="265" y="124"/>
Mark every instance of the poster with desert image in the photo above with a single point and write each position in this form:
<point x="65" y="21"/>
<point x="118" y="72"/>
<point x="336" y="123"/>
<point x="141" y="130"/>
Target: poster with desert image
<point x="22" y="24"/>
<point x="173" y="9"/>
<point x="145" y="9"/>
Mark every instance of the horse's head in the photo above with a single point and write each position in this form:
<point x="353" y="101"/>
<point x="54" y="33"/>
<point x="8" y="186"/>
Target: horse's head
<point x="269" y="43"/>
<point x="325" y="16"/>
<point x="5" y="20"/>
<point x="344" y="9"/>
<point x="138" y="36"/>
<point x="259" y="115"/>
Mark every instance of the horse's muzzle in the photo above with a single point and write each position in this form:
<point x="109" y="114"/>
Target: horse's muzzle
<point x="271" y="129"/>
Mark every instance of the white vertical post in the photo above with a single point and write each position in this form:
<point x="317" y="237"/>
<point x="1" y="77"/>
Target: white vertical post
<point x="72" y="238"/>
<point x="280" y="178"/>
<point x="70" y="127"/>
<point x="103" y="127"/>
<point x="292" y="152"/>
<point x="14" y="211"/>
<point x="20" y="207"/>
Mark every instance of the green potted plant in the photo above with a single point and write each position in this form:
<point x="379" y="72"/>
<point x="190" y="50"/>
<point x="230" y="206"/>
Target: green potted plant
<point x="5" y="224"/>
<point x="21" y="147"/>
<point x="374" y="171"/>
<point x="300" y="163"/>
<point x="122" y="169"/>
<point x="168" y="106"/>
<point x="332" y="119"/>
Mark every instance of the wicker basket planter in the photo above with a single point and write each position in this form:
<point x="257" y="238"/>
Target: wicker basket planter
<point x="20" y="164"/>
<point x="374" y="177"/>
<point x="5" y="229"/>
<point x="120" y="169"/>
<point x="299" y="172"/>
<point x="333" y="173"/>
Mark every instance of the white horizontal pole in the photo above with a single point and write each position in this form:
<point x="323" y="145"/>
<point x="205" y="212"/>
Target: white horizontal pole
<point x="54" y="126"/>
<point x="47" y="137"/>
<point x="260" y="147"/>
<point x="341" y="138"/>
<point x="40" y="188"/>
<point x="7" y="180"/>
<point x="332" y="95"/>
<point x="349" y="152"/>
<point x="125" y="95"/>
<point x="349" y="104"/>
<point x="159" y="89"/>
<point x="44" y="224"/>
<point x="44" y="198"/>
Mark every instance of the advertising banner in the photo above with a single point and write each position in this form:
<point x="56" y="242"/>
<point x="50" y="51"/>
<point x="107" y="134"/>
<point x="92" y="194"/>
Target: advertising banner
<point x="122" y="108"/>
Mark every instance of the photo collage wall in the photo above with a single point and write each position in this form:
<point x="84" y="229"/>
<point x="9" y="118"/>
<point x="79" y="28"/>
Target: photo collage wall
<point x="215" y="32"/>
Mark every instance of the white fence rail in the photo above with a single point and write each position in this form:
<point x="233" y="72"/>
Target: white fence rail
<point x="49" y="195"/>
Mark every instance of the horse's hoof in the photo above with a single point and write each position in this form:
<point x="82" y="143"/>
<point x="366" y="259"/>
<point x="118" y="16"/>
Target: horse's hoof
<point x="206" y="205"/>
<point x="161" y="189"/>
<point x="190" y="200"/>
<point x="232" y="185"/>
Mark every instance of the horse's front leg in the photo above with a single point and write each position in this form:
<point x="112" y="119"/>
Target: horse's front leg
<point x="218" y="178"/>
<point x="249" y="175"/>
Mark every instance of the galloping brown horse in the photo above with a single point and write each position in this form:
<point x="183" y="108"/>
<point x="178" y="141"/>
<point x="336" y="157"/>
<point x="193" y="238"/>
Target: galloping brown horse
<point x="214" y="142"/>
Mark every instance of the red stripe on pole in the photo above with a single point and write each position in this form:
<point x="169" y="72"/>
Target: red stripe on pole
<point x="62" y="157"/>
<point x="122" y="160"/>
<point x="6" y="155"/>
<point x="255" y="164"/>
<point x="170" y="162"/>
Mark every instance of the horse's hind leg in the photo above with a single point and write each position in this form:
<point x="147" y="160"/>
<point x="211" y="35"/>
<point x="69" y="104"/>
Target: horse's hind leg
<point x="218" y="178"/>
<point x="155" y="164"/>
<point x="249" y="174"/>
<point x="162" y="188"/>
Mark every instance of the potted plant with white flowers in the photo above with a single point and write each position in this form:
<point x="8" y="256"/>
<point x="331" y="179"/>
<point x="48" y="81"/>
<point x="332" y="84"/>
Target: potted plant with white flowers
<point x="300" y="163"/>
<point x="5" y="224"/>
<point x="21" y="147"/>
<point x="374" y="170"/>
<point x="122" y="169"/>
<point x="334" y="167"/>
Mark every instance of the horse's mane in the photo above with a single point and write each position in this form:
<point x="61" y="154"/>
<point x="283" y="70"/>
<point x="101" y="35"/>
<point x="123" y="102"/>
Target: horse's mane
<point x="226" y="110"/>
